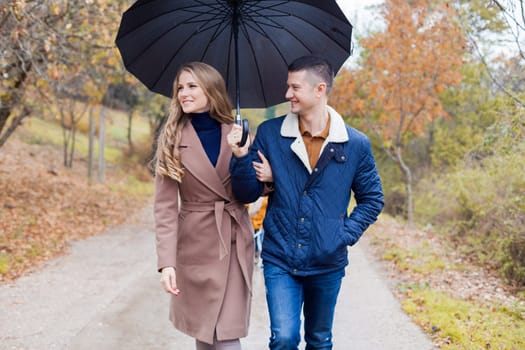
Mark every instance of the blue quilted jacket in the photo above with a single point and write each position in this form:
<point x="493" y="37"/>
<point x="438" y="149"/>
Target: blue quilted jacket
<point x="307" y="226"/>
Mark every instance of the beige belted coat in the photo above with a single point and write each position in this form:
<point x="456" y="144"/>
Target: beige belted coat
<point x="207" y="236"/>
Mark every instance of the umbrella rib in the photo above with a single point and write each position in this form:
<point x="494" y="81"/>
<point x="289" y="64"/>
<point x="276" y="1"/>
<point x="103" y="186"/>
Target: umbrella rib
<point x="172" y="58"/>
<point x="187" y="9"/>
<point x="257" y="24"/>
<point x="245" y="31"/>
<point x="161" y="35"/>
<point x="263" y="32"/>
<point x="249" y="5"/>
<point x="286" y="14"/>
<point x="218" y="31"/>
<point x="227" y="77"/>
<point x="176" y="53"/>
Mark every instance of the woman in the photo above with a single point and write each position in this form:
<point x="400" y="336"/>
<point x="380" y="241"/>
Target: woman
<point x="204" y="236"/>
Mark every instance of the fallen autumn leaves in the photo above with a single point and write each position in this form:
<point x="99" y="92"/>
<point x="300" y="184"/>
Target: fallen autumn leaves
<point x="43" y="206"/>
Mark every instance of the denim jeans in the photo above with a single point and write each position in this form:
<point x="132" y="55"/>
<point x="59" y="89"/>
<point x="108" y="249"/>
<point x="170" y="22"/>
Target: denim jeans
<point x="287" y="295"/>
<point x="259" y="236"/>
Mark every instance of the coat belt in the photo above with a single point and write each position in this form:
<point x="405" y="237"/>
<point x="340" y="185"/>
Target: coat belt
<point x="218" y="208"/>
<point x="234" y="209"/>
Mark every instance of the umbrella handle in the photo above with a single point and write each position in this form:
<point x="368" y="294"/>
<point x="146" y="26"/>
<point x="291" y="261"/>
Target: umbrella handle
<point x="245" y="129"/>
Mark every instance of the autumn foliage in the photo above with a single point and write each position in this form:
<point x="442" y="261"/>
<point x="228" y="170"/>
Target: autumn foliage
<point x="57" y="50"/>
<point x="404" y="70"/>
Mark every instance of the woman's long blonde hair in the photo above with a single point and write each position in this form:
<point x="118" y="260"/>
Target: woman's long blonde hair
<point x="168" y="158"/>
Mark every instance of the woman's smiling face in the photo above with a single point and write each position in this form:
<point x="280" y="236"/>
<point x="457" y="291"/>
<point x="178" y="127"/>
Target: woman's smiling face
<point x="191" y="95"/>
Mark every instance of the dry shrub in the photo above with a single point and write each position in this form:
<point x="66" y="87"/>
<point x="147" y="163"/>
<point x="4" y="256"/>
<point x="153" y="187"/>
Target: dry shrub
<point x="395" y="203"/>
<point x="514" y="263"/>
<point x="481" y="209"/>
<point x="136" y="160"/>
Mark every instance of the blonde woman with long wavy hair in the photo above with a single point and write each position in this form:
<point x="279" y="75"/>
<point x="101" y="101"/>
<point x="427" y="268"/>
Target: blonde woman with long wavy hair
<point x="204" y="235"/>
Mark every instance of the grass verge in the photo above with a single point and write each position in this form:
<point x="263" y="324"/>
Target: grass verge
<point x="460" y="324"/>
<point x="459" y="305"/>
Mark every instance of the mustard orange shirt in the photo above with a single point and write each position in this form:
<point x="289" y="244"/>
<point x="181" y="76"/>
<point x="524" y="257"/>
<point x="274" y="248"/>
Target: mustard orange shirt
<point x="313" y="143"/>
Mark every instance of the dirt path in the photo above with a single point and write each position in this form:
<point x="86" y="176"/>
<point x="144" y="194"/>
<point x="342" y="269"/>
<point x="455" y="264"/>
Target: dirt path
<point x="105" y="294"/>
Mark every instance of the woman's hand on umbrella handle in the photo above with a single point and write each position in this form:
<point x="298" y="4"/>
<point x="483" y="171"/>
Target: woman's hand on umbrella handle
<point x="168" y="281"/>
<point x="234" y="137"/>
<point x="263" y="170"/>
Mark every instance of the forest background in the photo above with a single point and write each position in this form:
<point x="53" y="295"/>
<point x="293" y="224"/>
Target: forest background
<point x="438" y="86"/>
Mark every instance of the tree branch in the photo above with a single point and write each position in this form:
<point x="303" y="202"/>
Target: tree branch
<point x="487" y="68"/>
<point x="508" y="14"/>
<point x="484" y="62"/>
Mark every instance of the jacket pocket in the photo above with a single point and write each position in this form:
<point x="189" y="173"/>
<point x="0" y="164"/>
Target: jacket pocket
<point x="329" y="243"/>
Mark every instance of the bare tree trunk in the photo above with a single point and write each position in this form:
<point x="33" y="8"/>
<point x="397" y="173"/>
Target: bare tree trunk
<point x="11" y="99"/>
<point x="130" y="121"/>
<point x="91" y="143"/>
<point x="5" y="112"/>
<point x="431" y="139"/>
<point x="65" y="136"/>
<point x="14" y="124"/>
<point x="408" y="184"/>
<point x="70" y="115"/>
<point x="73" y="141"/>
<point x="101" y="144"/>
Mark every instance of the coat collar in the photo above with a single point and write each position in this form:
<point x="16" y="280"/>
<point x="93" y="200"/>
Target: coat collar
<point x="195" y="160"/>
<point x="337" y="133"/>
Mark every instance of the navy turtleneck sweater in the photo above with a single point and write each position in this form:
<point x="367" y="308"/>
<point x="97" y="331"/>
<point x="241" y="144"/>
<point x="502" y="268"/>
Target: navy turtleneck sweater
<point x="209" y="131"/>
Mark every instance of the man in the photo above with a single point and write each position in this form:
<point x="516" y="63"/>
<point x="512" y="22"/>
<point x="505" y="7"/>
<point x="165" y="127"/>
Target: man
<point x="316" y="163"/>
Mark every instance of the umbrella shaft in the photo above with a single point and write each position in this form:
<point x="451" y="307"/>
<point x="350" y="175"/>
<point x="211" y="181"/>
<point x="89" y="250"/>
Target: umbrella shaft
<point x="235" y="25"/>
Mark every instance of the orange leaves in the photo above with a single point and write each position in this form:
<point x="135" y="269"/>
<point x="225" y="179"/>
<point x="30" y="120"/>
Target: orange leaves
<point x="405" y="69"/>
<point x="44" y="206"/>
<point x="53" y="73"/>
<point x="359" y="106"/>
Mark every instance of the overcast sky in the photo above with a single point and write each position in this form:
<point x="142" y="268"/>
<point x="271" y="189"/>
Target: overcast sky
<point x="356" y="11"/>
<point x="362" y="20"/>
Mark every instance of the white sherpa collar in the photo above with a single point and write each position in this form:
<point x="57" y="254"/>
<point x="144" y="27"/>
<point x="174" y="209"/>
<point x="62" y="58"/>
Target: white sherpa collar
<point x="337" y="133"/>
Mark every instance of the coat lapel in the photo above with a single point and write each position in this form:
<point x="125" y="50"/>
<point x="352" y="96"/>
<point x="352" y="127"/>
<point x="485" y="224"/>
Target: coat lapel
<point x="225" y="155"/>
<point x="195" y="160"/>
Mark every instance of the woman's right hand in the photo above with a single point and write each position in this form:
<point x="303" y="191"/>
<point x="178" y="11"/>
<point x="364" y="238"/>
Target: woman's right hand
<point x="167" y="279"/>
<point x="234" y="137"/>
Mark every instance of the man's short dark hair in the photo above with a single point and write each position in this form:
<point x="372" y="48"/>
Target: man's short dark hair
<point x="317" y="65"/>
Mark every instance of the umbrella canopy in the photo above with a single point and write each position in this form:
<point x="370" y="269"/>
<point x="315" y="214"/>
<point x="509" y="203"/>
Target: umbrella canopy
<point x="251" y="43"/>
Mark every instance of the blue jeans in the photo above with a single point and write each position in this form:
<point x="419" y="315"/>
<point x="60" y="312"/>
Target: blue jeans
<point x="259" y="236"/>
<point x="287" y="295"/>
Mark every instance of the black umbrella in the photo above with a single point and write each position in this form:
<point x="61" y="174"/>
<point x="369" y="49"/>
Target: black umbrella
<point x="250" y="42"/>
